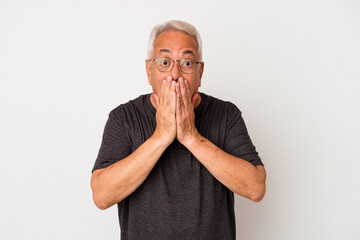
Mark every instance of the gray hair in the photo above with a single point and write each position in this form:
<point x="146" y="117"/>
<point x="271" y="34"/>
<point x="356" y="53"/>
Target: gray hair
<point x="174" y="25"/>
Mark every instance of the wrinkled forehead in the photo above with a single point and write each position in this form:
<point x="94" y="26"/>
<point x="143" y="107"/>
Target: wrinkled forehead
<point x="175" y="43"/>
<point x="165" y="52"/>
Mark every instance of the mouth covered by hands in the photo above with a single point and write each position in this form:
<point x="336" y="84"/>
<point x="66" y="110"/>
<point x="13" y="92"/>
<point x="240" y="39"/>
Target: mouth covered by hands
<point x="175" y="117"/>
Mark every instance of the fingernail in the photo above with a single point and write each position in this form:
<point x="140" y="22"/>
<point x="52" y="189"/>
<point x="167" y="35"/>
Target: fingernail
<point x="163" y="82"/>
<point x="181" y="79"/>
<point x="169" y="78"/>
<point x="186" y="82"/>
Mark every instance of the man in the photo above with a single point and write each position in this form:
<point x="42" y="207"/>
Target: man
<point x="171" y="160"/>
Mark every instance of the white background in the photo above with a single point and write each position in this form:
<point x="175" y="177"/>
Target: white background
<point x="292" y="67"/>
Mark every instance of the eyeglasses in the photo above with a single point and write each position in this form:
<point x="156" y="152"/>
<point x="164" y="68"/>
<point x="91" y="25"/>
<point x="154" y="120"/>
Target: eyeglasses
<point x="167" y="64"/>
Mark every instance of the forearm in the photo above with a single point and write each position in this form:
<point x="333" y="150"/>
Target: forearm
<point x="237" y="174"/>
<point x="112" y="184"/>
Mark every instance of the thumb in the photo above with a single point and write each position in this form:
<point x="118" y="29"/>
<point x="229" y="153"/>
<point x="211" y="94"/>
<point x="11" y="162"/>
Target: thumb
<point x="156" y="99"/>
<point x="193" y="99"/>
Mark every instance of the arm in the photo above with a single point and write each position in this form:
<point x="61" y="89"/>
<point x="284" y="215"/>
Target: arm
<point x="112" y="184"/>
<point x="237" y="174"/>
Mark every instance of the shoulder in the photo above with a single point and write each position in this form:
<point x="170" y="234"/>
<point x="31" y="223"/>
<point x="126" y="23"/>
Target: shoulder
<point x="217" y="104"/>
<point x="136" y="104"/>
<point x="125" y="113"/>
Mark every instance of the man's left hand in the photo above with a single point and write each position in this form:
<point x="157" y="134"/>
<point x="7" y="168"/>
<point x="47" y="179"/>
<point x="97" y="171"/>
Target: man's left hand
<point x="185" y="116"/>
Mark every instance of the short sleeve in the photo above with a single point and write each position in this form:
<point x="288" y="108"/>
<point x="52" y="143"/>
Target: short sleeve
<point x="237" y="140"/>
<point x="115" y="143"/>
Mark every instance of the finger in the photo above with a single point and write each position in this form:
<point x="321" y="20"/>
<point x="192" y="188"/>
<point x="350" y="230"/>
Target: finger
<point x="162" y="91"/>
<point x="187" y="89"/>
<point x="173" y="94"/>
<point x="178" y="91"/>
<point x="173" y="87"/>
<point x="183" y="105"/>
<point x="184" y="92"/>
<point x="167" y="87"/>
<point x="179" y="96"/>
<point x="181" y="86"/>
<point x="178" y="101"/>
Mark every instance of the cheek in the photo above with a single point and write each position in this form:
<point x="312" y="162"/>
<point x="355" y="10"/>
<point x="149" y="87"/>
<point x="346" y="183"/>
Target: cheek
<point x="156" y="80"/>
<point x="194" y="85"/>
<point x="195" y="82"/>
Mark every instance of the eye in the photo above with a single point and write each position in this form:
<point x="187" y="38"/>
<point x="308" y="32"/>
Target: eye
<point x="164" y="62"/>
<point x="188" y="63"/>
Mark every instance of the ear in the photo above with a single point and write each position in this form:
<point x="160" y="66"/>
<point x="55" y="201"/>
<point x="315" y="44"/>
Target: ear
<point x="201" y="70"/>
<point x="148" y="70"/>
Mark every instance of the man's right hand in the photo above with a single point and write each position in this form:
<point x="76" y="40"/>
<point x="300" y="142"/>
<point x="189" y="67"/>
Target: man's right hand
<point x="165" y="111"/>
<point x="114" y="183"/>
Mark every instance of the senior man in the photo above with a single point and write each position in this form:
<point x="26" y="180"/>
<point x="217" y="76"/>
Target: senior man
<point x="171" y="160"/>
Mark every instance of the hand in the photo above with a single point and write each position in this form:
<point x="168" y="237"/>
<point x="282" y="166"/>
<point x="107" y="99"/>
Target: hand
<point x="165" y="111"/>
<point x="185" y="116"/>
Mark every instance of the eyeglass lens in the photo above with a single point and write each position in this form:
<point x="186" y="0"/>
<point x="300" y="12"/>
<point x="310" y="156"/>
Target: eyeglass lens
<point x="166" y="65"/>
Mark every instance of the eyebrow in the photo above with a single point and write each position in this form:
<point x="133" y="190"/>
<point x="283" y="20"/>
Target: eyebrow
<point x="189" y="52"/>
<point x="165" y="50"/>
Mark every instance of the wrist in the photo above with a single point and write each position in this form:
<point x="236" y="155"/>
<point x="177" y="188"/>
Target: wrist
<point x="162" y="139"/>
<point x="191" y="141"/>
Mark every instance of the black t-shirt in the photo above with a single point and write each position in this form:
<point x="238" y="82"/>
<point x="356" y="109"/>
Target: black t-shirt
<point x="179" y="199"/>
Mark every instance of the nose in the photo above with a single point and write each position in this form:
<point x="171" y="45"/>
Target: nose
<point x="175" y="71"/>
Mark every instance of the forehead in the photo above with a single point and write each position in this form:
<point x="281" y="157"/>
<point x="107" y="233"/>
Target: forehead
<point x="175" y="42"/>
